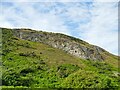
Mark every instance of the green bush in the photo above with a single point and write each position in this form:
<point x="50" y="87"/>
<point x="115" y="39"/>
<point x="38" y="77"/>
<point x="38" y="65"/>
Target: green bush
<point x="28" y="54"/>
<point x="26" y="81"/>
<point x="26" y="71"/>
<point x="10" y="79"/>
<point x="15" y="79"/>
<point x="66" y="69"/>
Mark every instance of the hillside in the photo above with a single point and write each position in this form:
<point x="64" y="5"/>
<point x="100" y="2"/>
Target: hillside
<point x="52" y="60"/>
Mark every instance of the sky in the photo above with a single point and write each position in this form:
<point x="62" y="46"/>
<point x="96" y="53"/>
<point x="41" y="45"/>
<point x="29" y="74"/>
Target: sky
<point x="93" y="21"/>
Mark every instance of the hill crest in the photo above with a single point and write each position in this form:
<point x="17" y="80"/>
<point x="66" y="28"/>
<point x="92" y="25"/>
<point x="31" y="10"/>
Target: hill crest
<point x="71" y="45"/>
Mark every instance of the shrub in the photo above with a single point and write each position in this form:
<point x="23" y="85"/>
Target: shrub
<point x="6" y="51"/>
<point x="26" y="81"/>
<point x="26" y="71"/>
<point x="10" y="79"/>
<point x="66" y="69"/>
<point x="28" y="54"/>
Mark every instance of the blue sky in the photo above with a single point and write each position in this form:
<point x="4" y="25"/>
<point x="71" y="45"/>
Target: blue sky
<point x="94" y="21"/>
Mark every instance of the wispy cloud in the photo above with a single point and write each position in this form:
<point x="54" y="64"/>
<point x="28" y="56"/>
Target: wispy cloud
<point x="92" y="21"/>
<point x="102" y="29"/>
<point x="26" y="15"/>
<point x="60" y="0"/>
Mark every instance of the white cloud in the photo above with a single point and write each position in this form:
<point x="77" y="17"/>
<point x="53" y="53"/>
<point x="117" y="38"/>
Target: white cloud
<point x="97" y="22"/>
<point x="106" y="0"/>
<point x="25" y="15"/>
<point x="60" y="0"/>
<point x="78" y="14"/>
<point x="4" y="23"/>
<point x="102" y="29"/>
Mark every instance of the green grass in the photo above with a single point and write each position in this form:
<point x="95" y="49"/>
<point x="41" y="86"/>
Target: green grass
<point x="33" y="64"/>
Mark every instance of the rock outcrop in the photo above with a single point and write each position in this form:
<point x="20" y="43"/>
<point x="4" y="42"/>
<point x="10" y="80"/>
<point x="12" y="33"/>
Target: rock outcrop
<point x="69" y="44"/>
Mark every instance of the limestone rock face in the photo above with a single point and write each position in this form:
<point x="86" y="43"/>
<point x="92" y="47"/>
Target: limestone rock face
<point x="69" y="44"/>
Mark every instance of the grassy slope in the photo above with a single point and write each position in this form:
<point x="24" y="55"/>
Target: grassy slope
<point x="33" y="64"/>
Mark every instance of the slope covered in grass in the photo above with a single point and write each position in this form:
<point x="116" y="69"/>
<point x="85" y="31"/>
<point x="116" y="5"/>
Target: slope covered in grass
<point x="34" y="64"/>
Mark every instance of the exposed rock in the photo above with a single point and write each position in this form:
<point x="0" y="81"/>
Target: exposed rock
<point x="69" y="44"/>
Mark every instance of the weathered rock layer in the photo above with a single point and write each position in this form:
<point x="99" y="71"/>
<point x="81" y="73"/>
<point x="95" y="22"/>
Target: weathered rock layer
<point x="69" y="44"/>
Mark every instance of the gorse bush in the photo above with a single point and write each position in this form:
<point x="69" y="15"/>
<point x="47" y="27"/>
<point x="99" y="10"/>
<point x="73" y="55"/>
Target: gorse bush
<point x="14" y="79"/>
<point x="88" y="79"/>
<point x="66" y="69"/>
<point x="28" y="54"/>
<point x="27" y="70"/>
<point x="10" y="79"/>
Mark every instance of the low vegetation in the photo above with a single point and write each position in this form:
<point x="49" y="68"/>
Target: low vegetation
<point x="32" y="64"/>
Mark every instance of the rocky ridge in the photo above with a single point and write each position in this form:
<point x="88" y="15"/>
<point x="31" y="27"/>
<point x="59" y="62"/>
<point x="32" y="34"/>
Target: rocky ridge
<point x="69" y="44"/>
